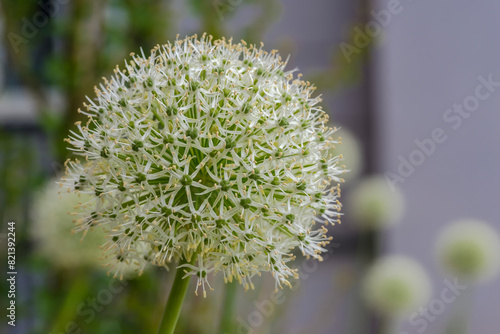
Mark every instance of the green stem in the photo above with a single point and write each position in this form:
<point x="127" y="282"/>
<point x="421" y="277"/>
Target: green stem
<point x="458" y="323"/>
<point x="361" y="317"/>
<point x="174" y="302"/>
<point x="74" y="297"/>
<point x="385" y="325"/>
<point x="229" y="308"/>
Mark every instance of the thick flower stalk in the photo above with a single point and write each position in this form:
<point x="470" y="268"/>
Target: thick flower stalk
<point x="211" y="153"/>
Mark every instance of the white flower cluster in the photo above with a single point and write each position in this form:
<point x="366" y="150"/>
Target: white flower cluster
<point x="352" y="154"/>
<point x="50" y="229"/>
<point x="469" y="248"/>
<point x="373" y="205"/>
<point x="396" y="285"/>
<point x="211" y="152"/>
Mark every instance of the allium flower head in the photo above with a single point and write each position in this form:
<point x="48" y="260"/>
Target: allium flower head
<point x="54" y="240"/>
<point x="396" y="285"/>
<point x="212" y="152"/>
<point x="469" y="249"/>
<point x="51" y="228"/>
<point x="373" y="204"/>
<point x="352" y="156"/>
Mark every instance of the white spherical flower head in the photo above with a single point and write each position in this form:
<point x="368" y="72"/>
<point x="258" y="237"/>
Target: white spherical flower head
<point x="51" y="230"/>
<point x="372" y="203"/>
<point x="52" y="214"/>
<point x="396" y="285"/>
<point x="469" y="249"/>
<point x="351" y="152"/>
<point x="212" y="153"/>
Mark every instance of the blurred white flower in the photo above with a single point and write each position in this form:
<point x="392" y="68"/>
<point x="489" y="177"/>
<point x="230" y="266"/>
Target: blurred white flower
<point x="51" y="226"/>
<point x="396" y="285"/>
<point x="52" y="230"/>
<point x="372" y="204"/>
<point x="209" y="152"/>
<point x="469" y="249"/>
<point x="352" y="156"/>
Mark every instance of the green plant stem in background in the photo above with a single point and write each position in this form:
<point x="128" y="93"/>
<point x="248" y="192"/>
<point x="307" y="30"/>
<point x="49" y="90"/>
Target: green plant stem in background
<point x="461" y="308"/>
<point x="385" y="325"/>
<point x="361" y="319"/>
<point x="76" y="294"/>
<point x="174" y="302"/>
<point x="229" y="308"/>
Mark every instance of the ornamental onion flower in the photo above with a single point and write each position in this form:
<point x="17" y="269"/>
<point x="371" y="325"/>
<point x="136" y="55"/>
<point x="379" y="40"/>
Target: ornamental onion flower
<point x="208" y="153"/>
<point x="51" y="227"/>
<point x="351" y="151"/>
<point x="373" y="204"/>
<point x="395" y="285"/>
<point x="469" y="248"/>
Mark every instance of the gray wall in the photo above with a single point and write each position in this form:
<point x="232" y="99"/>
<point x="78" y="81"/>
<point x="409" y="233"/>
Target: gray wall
<point x="429" y="59"/>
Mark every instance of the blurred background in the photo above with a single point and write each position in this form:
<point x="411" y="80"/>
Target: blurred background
<point x="414" y="87"/>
